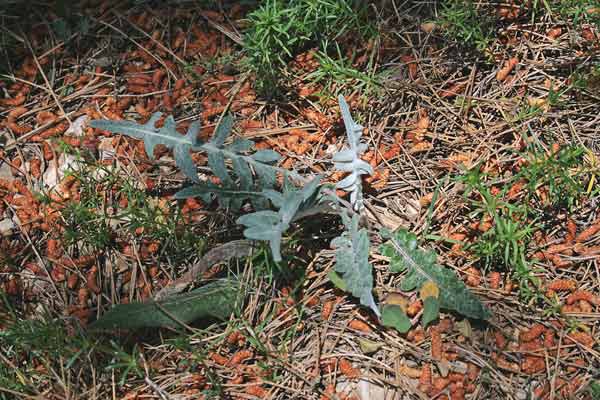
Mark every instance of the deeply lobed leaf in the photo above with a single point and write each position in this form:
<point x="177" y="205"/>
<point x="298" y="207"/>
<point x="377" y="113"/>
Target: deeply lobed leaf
<point x="166" y="135"/>
<point x="270" y="225"/>
<point x="352" y="262"/>
<point x="420" y="267"/>
<point x="348" y="160"/>
<point x="251" y="173"/>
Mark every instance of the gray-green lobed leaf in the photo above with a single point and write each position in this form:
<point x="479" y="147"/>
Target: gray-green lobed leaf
<point x="251" y="173"/>
<point x="271" y="225"/>
<point x="166" y="135"/>
<point x="420" y="266"/>
<point x="348" y="160"/>
<point x="352" y="262"/>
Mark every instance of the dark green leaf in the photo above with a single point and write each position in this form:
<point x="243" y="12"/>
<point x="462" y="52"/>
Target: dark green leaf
<point x="215" y="300"/>
<point x="595" y="390"/>
<point x="431" y="310"/>
<point x="393" y="316"/>
<point x="405" y="255"/>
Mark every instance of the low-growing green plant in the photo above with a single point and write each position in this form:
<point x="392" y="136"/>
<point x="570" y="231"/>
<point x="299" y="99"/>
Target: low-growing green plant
<point x="36" y="348"/>
<point x="594" y="390"/>
<point x="465" y="23"/>
<point x="505" y="242"/>
<point x="439" y="287"/>
<point x="548" y="184"/>
<point x="124" y="362"/>
<point x="559" y="173"/>
<point x="280" y="29"/>
<point x="577" y="11"/>
<point x="90" y="223"/>
<point x="215" y="300"/>
<point x="335" y="73"/>
<point x="586" y="79"/>
<point x="278" y="208"/>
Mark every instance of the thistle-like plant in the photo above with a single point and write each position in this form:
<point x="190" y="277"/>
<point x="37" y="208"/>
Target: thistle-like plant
<point x="270" y="225"/>
<point x="252" y="177"/>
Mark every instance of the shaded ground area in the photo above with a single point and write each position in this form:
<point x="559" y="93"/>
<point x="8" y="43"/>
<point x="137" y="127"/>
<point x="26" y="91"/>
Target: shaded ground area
<point x="481" y="121"/>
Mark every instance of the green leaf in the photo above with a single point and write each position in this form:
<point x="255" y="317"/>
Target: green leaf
<point x="368" y="346"/>
<point x="352" y="262"/>
<point x="420" y="267"/>
<point x="337" y="281"/>
<point x="393" y="316"/>
<point x="215" y="300"/>
<point x="431" y="310"/>
<point x="594" y="390"/>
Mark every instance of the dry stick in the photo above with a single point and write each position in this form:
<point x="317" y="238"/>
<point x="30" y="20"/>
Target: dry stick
<point x="50" y="90"/>
<point x="157" y="389"/>
<point x="31" y="133"/>
<point x="159" y="44"/>
<point x="25" y="81"/>
<point x="40" y="259"/>
<point x="140" y="266"/>
<point x="87" y="88"/>
<point x="22" y="158"/>
<point x="158" y="59"/>
<point x="234" y="93"/>
<point x="19" y="394"/>
<point x="236" y="248"/>
<point x="236" y="38"/>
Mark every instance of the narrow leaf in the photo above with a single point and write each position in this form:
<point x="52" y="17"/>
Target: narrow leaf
<point x="222" y="131"/>
<point x="266" y="156"/>
<point x="348" y="160"/>
<point x="184" y="160"/>
<point x="215" y="300"/>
